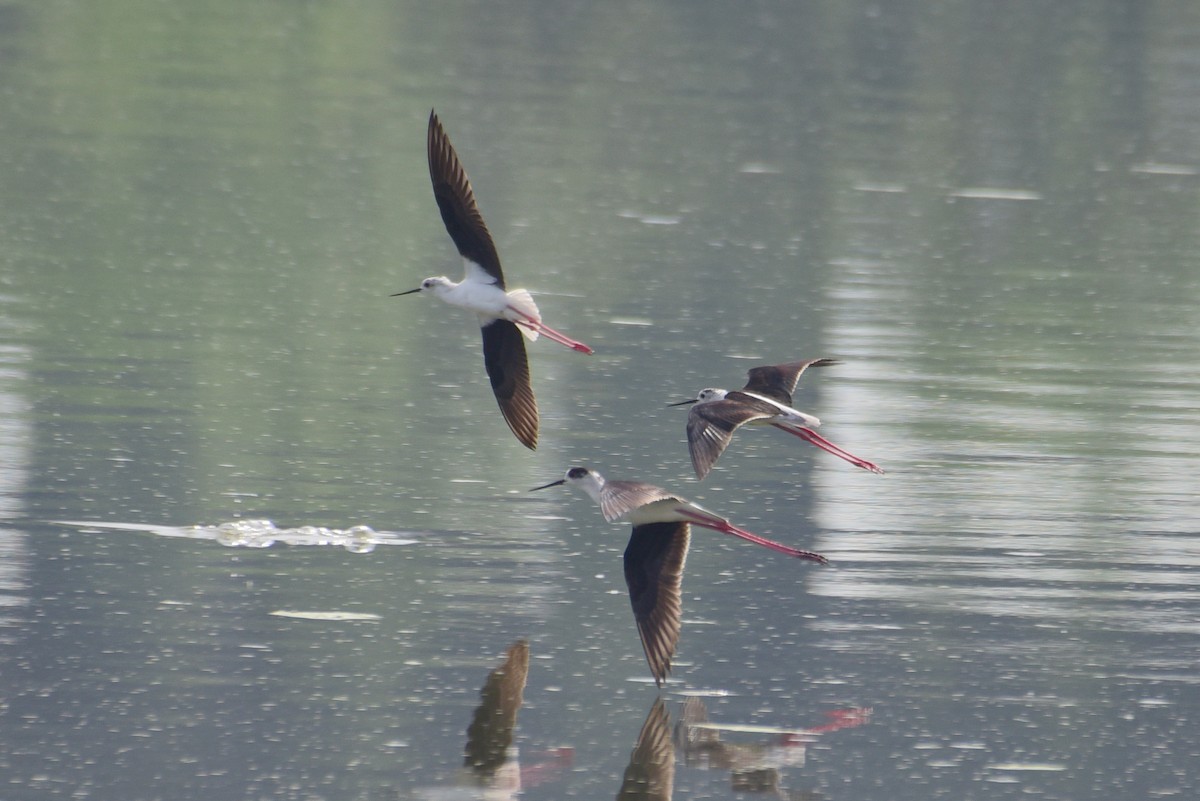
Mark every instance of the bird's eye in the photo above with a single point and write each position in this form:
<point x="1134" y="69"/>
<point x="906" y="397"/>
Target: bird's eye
<point x="577" y="472"/>
<point x="426" y="284"/>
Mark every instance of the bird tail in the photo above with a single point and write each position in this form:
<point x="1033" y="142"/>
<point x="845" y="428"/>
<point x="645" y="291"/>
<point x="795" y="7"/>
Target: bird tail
<point x="522" y="301"/>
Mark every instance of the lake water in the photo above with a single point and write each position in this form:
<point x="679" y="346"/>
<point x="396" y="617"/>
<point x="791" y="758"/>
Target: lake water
<point x="987" y="212"/>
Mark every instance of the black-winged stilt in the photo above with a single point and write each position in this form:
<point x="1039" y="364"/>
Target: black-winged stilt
<point x="504" y="315"/>
<point x="765" y="400"/>
<point x="656" y="552"/>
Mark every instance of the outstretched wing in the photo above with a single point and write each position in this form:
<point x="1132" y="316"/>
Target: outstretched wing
<point x="711" y="425"/>
<point x="508" y="368"/>
<point x="456" y="201"/>
<point x="653" y="572"/>
<point x="778" y="381"/>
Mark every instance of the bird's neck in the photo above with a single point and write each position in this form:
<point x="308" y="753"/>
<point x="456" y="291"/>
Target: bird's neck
<point x="594" y="488"/>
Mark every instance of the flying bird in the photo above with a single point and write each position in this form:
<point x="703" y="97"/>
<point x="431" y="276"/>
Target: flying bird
<point x="656" y="552"/>
<point x="506" y="317"/>
<point x="765" y="400"/>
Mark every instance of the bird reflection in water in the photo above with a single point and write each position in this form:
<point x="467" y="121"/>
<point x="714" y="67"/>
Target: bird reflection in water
<point x="492" y="770"/>
<point x="651" y="772"/>
<point x="754" y="767"/>
<point x="491" y="764"/>
<point x="489" y="737"/>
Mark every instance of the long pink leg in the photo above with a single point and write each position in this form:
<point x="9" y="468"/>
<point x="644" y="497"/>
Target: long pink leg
<point x="546" y="331"/>
<point x="808" y="435"/>
<point x="725" y="527"/>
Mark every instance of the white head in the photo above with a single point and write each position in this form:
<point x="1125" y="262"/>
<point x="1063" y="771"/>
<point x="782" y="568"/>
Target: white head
<point x="582" y="478"/>
<point x="706" y="395"/>
<point x="436" y="284"/>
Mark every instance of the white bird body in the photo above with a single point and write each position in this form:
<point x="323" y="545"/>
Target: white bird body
<point x="477" y="292"/>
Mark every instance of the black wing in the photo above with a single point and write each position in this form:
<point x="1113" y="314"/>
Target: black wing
<point x="711" y="425"/>
<point x="456" y="201"/>
<point x="778" y="381"/>
<point x="654" y="561"/>
<point x="508" y="368"/>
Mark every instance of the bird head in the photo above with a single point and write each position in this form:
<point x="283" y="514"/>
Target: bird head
<point x="703" y="396"/>
<point x="435" y="284"/>
<point x="582" y="477"/>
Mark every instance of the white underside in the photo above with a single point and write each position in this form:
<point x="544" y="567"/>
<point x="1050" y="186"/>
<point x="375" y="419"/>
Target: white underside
<point x="478" y="293"/>
<point x="665" y="511"/>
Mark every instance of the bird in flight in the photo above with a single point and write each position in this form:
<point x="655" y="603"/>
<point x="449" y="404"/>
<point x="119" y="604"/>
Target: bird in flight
<point x="506" y="317"/>
<point x="765" y="400"/>
<point x="656" y="552"/>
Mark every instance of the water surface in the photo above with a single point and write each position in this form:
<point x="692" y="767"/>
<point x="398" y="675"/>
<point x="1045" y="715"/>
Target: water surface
<point x="986" y="213"/>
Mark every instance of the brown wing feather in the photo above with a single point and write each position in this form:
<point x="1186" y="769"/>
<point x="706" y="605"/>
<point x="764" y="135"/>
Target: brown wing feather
<point x="711" y="425"/>
<point x="508" y="368"/>
<point x="622" y="497"/>
<point x="456" y="201"/>
<point x="654" y="562"/>
<point x="778" y="381"/>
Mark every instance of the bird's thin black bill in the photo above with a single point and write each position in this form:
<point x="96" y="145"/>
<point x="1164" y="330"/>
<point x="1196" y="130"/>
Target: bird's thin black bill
<point x="558" y="483"/>
<point x="683" y="403"/>
<point x="409" y="292"/>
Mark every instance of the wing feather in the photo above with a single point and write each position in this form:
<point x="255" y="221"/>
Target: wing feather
<point x="711" y="425"/>
<point x="622" y="497"/>
<point x="456" y="201"/>
<point x="778" y="381"/>
<point x="508" y="368"/>
<point x="654" y="562"/>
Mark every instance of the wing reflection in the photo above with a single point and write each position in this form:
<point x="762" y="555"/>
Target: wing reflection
<point x="489" y="737"/>
<point x="651" y="772"/>
<point x="754" y="767"/>
<point x="492" y="770"/>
